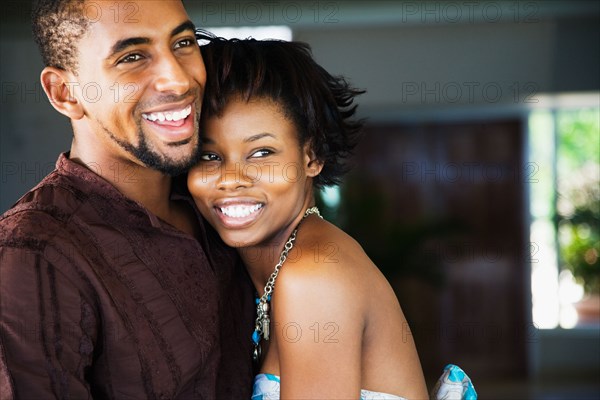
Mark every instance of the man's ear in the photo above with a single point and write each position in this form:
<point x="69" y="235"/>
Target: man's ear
<point x="59" y="90"/>
<point x="312" y="165"/>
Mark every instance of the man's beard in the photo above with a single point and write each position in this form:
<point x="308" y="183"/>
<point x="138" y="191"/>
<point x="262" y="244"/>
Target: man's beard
<point x="154" y="160"/>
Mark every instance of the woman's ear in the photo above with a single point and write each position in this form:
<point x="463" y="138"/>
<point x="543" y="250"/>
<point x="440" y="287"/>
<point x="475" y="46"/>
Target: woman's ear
<point x="312" y="165"/>
<point x="59" y="90"/>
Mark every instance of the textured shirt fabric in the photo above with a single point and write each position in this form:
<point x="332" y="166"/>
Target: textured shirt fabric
<point x="99" y="298"/>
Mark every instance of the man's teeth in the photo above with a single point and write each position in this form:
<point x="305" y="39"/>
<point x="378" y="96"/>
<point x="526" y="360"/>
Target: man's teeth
<point x="240" y="211"/>
<point x="168" y="116"/>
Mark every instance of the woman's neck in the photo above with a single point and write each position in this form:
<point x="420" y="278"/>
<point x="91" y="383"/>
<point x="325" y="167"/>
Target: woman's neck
<point x="260" y="260"/>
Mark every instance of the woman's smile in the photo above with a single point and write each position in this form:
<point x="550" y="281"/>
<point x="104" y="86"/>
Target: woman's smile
<point x="237" y="214"/>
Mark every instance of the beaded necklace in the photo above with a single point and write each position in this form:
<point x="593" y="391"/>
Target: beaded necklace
<point x="261" y="327"/>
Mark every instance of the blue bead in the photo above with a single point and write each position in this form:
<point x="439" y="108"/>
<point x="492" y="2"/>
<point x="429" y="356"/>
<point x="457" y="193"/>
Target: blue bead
<point x="255" y="337"/>
<point x="269" y="298"/>
<point x="257" y="300"/>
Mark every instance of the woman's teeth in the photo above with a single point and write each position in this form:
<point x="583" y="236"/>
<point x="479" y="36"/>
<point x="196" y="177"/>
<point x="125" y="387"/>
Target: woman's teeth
<point x="240" y="211"/>
<point x="169" y="116"/>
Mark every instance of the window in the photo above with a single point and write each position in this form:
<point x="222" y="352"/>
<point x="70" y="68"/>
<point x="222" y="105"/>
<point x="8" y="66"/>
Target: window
<point x="564" y="150"/>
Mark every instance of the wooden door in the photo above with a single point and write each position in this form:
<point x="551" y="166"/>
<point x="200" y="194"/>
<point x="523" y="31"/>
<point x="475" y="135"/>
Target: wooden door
<point x="441" y="209"/>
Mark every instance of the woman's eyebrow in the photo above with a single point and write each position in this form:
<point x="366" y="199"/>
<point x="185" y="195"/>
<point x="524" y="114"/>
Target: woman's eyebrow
<point x="258" y="136"/>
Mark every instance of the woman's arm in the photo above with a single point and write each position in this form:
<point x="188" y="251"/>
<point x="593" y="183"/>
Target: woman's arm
<point x="319" y="321"/>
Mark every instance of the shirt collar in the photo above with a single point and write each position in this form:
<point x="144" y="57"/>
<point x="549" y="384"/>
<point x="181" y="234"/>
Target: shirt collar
<point x="95" y="184"/>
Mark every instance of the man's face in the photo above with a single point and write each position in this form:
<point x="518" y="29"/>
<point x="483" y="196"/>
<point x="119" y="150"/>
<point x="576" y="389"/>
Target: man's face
<point x="140" y="80"/>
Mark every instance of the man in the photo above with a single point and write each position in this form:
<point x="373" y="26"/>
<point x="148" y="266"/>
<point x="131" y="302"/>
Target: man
<point x="110" y="284"/>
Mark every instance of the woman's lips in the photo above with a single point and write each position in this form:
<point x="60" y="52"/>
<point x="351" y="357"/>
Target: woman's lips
<point x="238" y="215"/>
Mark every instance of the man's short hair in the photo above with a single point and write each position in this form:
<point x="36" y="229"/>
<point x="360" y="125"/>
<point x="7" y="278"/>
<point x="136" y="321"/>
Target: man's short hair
<point x="58" y="25"/>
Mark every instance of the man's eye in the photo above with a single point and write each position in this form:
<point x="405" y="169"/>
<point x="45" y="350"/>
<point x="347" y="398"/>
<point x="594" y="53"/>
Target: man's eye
<point x="261" y="153"/>
<point x="185" y="43"/>
<point x="209" y="157"/>
<point x="130" y="58"/>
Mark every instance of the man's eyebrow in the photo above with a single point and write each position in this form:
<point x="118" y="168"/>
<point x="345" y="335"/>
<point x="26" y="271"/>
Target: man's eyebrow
<point x="187" y="25"/>
<point x="124" y="43"/>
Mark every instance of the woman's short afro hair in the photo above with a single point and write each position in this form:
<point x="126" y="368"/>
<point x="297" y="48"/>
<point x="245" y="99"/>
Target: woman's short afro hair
<point x="320" y="105"/>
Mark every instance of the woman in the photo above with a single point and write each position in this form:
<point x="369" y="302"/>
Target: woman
<point x="276" y="126"/>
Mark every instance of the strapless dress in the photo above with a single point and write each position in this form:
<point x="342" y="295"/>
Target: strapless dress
<point x="454" y="384"/>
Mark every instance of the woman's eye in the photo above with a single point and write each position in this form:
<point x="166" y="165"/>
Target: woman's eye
<point x="130" y="58"/>
<point x="261" y="153"/>
<point x="209" y="157"/>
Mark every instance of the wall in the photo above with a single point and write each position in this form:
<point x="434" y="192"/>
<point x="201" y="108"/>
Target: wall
<point x="416" y="60"/>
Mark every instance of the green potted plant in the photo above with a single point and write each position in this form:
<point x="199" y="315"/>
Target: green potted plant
<point x="579" y="237"/>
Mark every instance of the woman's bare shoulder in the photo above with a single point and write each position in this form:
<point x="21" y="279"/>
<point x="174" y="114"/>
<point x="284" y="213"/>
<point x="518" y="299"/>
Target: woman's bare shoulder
<point x="322" y="244"/>
<point x="318" y="291"/>
<point x="330" y="264"/>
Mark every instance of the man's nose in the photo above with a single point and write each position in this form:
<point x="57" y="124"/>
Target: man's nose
<point x="172" y="76"/>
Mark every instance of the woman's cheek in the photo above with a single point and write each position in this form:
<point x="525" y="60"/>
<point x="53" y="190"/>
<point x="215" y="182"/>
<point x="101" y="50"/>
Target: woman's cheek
<point x="197" y="183"/>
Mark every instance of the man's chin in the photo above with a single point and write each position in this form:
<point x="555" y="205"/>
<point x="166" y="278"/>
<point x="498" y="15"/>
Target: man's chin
<point x="170" y="158"/>
<point x="182" y="143"/>
<point x="172" y="165"/>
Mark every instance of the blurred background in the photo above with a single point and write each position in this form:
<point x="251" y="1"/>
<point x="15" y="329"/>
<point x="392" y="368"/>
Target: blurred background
<point x="475" y="189"/>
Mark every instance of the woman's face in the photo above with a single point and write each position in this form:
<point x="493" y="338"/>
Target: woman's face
<point x="254" y="180"/>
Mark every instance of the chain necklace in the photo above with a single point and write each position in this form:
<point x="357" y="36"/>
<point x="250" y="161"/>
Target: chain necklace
<point x="261" y="327"/>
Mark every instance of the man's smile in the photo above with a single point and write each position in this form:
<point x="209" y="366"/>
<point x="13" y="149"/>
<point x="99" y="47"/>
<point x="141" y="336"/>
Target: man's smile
<point x="168" y="116"/>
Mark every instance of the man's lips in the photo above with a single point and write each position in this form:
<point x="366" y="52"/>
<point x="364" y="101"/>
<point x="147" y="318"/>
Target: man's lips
<point x="170" y="117"/>
<point x="173" y="125"/>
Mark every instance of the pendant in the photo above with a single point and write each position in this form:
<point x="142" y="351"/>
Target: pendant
<point x="256" y="353"/>
<point x="265" y="327"/>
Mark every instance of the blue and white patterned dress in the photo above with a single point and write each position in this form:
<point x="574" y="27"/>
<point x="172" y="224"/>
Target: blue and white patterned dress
<point x="454" y="384"/>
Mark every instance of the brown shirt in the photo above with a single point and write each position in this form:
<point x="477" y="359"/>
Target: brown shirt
<point x="99" y="298"/>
